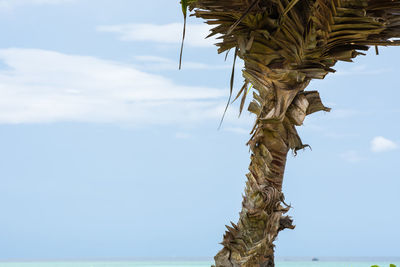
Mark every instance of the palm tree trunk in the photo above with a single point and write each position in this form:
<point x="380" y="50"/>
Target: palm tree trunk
<point x="249" y="243"/>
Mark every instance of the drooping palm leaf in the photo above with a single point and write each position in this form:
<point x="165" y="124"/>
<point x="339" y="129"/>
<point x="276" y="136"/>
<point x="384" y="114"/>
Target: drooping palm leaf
<point x="184" y="4"/>
<point x="231" y="87"/>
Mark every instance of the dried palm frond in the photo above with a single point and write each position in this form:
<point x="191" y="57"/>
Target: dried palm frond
<point x="185" y="5"/>
<point x="292" y="41"/>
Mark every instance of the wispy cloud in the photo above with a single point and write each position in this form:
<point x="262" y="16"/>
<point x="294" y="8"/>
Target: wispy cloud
<point x="381" y="144"/>
<point x="361" y="70"/>
<point x="9" y="4"/>
<point x="155" y="63"/>
<point x="336" y="135"/>
<point x="238" y="130"/>
<point x="165" y="33"/>
<point x="344" y="113"/>
<point x="352" y="156"/>
<point x="44" y="86"/>
<point x="182" y="135"/>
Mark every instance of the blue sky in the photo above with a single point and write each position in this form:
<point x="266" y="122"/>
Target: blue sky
<point x="107" y="151"/>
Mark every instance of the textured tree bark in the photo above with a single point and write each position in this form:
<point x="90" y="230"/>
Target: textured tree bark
<point x="249" y="243"/>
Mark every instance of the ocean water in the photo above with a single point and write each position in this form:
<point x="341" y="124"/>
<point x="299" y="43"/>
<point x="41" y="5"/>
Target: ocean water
<point x="187" y="264"/>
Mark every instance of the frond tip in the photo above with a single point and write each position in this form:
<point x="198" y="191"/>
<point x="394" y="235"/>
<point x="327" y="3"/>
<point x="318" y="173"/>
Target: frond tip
<point x="185" y="6"/>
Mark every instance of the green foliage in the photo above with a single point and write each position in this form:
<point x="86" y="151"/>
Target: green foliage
<point x="185" y="5"/>
<point x="391" y="265"/>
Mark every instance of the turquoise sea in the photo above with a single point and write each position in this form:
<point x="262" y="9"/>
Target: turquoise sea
<point x="187" y="264"/>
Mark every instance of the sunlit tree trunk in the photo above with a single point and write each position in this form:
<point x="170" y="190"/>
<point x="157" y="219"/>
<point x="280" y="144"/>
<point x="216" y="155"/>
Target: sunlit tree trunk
<point x="249" y="243"/>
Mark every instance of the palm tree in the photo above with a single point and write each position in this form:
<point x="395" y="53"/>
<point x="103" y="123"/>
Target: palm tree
<point x="284" y="45"/>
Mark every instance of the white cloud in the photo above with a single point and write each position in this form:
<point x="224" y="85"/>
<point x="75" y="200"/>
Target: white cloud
<point x="43" y="86"/>
<point x="381" y="144"/>
<point x="154" y="63"/>
<point x="8" y="4"/>
<point x="344" y="113"/>
<point x="360" y="70"/>
<point x="335" y="135"/>
<point x="238" y="130"/>
<point x="182" y="135"/>
<point x="352" y="156"/>
<point x="165" y="34"/>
